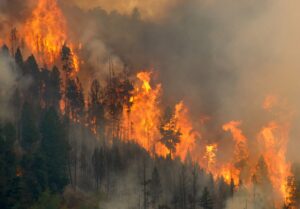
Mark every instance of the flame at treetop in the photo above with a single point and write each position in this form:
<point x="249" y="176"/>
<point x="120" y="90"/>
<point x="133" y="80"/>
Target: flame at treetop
<point x="273" y="139"/>
<point x="210" y="158"/>
<point x="144" y="120"/>
<point x="145" y="115"/>
<point x="241" y="153"/>
<point x="188" y="134"/>
<point x="45" y="32"/>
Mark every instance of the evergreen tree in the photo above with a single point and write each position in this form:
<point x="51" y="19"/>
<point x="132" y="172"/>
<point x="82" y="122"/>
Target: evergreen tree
<point x="75" y="98"/>
<point x="19" y="58"/>
<point x="96" y="108"/>
<point x="53" y="91"/>
<point x="169" y="131"/>
<point x="29" y="129"/>
<point x="47" y="200"/>
<point x="31" y="69"/>
<point x="13" y="40"/>
<point x="55" y="150"/>
<point x="67" y="60"/>
<point x="262" y="186"/>
<point x="155" y="188"/>
<point x="8" y="165"/>
<point x="5" y="51"/>
<point x="194" y="193"/>
<point x="206" y="200"/>
<point x="98" y="165"/>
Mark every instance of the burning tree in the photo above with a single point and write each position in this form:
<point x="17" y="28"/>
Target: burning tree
<point x="169" y="131"/>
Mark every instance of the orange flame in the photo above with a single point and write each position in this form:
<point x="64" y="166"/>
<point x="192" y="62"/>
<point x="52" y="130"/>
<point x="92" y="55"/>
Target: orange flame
<point x="45" y="32"/>
<point x="273" y="140"/>
<point x="241" y="153"/>
<point x="143" y="119"/>
<point x="210" y="158"/>
<point x="188" y="134"/>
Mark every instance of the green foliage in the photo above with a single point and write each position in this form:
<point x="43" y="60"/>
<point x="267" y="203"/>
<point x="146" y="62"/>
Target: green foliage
<point x="47" y="200"/>
<point x="29" y="130"/>
<point x="7" y="165"/>
<point x="54" y="149"/>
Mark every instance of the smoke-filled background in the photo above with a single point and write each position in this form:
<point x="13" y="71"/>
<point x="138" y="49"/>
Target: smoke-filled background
<point x="222" y="57"/>
<point x="215" y="54"/>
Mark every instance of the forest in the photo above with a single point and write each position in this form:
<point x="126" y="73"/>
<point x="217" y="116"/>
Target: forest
<point x="54" y="160"/>
<point x="59" y="152"/>
<point x="171" y="105"/>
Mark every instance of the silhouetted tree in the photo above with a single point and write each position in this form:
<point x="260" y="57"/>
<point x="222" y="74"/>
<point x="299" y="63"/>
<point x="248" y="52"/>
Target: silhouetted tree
<point x="19" y="58"/>
<point x="96" y="108"/>
<point x="155" y="188"/>
<point x="169" y="131"/>
<point x="206" y="200"/>
<point x="29" y="129"/>
<point x="67" y="60"/>
<point x="31" y="69"/>
<point x="8" y="165"/>
<point x="74" y="98"/>
<point x="55" y="149"/>
<point x="13" y="40"/>
<point x="98" y="165"/>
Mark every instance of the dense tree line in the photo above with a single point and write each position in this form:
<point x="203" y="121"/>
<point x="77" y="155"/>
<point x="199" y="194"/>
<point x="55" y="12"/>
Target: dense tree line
<point x="60" y="137"/>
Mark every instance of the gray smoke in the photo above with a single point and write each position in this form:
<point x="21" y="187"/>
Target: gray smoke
<point x="11" y="79"/>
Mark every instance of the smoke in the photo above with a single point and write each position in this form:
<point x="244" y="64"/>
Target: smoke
<point x="10" y="79"/>
<point x="222" y="56"/>
<point x="149" y="10"/>
<point x="12" y="13"/>
<point x="190" y="48"/>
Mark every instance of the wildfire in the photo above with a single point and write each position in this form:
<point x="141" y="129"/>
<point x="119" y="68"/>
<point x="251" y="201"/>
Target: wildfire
<point x="143" y="119"/>
<point x="45" y="32"/>
<point x="145" y="77"/>
<point x="188" y="134"/>
<point x="145" y="115"/>
<point x="273" y="140"/>
<point x="269" y="102"/>
<point x="241" y="153"/>
<point x="210" y="157"/>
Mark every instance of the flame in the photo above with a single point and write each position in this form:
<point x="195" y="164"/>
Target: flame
<point x="241" y="154"/>
<point x="145" y="78"/>
<point x="188" y="134"/>
<point x="210" y="158"/>
<point x="273" y="139"/>
<point x="45" y="32"/>
<point x="269" y="102"/>
<point x="143" y="119"/>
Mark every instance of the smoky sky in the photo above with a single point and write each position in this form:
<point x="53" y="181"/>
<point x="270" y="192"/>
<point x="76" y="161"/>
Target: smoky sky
<point x="222" y="57"/>
<point x="188" y="48"/>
